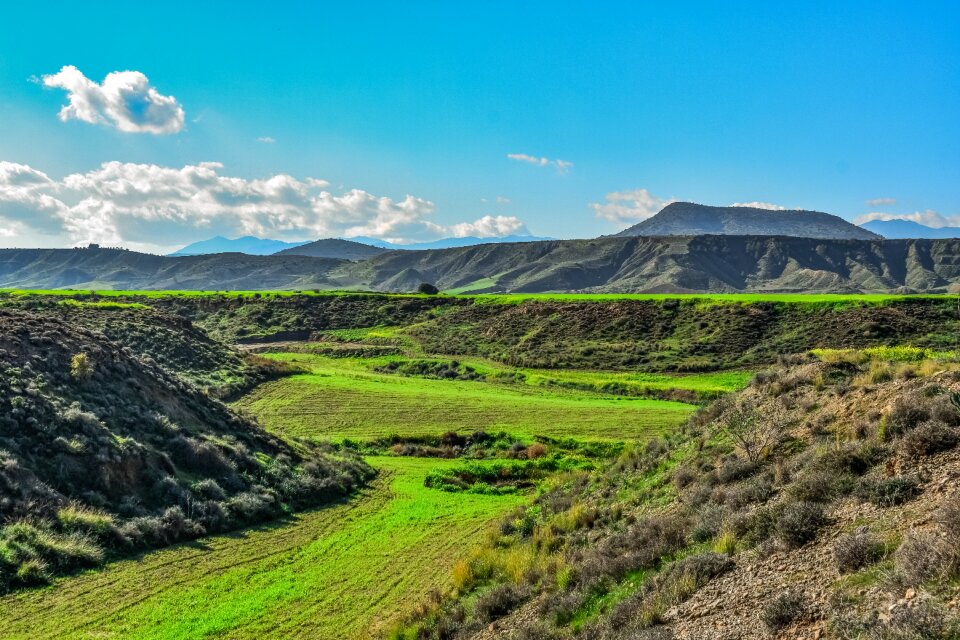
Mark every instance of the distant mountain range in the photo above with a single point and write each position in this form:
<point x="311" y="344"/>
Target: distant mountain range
<point x="691" y="219"/>
<point x="712" y="263"/>
<point x="348" y="249"/>
<point x="895" y="229"/>
<point x="447" y="243"/>
<point x="247" y="244"/>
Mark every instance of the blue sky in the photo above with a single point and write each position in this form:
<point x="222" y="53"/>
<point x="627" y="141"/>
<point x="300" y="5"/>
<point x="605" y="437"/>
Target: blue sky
<point x="808" y="105"/>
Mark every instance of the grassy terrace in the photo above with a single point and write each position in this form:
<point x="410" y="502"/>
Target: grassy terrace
<point x="333" y="573"/>
<point x="344" y="398"/>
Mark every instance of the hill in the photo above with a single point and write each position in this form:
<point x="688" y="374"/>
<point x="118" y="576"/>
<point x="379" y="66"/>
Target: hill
<point x="103" y="450"/>
<point x="909" y="229"/>
<point x="250" y="245"/>
<point x="717" y="263"/>
<point x="119" y="269"/>
<point x="334" y="248"/>
<point x="690" y="219"/>
<point x="673" y="264"/>
<point x="446" y="243"/>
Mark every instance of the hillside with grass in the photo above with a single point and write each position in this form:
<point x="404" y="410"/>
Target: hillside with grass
<point x="105" y="451"/>
<point x="654" y="264"/>
<point x="821" y="501"/>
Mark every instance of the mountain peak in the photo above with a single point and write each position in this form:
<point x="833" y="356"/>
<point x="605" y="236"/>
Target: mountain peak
<point x="692" y="219"/>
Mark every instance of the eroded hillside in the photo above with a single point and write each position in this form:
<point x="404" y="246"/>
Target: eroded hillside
<point x="105" y="450"/>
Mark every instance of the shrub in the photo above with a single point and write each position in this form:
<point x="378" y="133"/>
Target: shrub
<point x="818" y="484"/>
<point x="929" y="437"/>
<point x="905" y="415"/>
<point x="499" y="601"/>
<point x="926" y="557"/>
<point x="857" y="550"/>
<point x="799" y="522"/>
<point x="86" y="520"/>
<point x="888" y="492"/>
<point x="782" y="611"/>
<point x="428" y="289"/>
<point x="81" y="367"/>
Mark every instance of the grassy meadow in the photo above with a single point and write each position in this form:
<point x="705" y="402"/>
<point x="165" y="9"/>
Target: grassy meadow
<point x="341" y="398"/>
<point x="340" y="572"/>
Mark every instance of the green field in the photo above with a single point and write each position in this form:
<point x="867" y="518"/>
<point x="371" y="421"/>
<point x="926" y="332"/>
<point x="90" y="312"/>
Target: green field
<point x="341" y="398"/>
<point x="332" y="573"/>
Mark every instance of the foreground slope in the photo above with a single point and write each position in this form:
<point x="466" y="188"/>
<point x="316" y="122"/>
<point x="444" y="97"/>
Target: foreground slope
<point x="104" y="451"/>
<point x="691" y="219"/>
<point x="821" y="501"/>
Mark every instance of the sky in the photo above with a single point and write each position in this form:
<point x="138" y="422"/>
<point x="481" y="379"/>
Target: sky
<point x="152" y="125"/>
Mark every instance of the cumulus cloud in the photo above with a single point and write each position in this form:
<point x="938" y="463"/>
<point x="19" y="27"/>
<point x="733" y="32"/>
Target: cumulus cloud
<point x="489" y="227"/>
<point x="881" y="202"/>
<point x="151" y="205"/>
<point x="759" y="205"/>
<point x="562" y="166"/>
<point x="629" y="206"/>
<point x="929" y="217"/>
<point x="266" y="139"/>
<point x="124" y="100"/>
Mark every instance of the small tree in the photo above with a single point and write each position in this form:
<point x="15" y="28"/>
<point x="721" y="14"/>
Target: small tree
<point x="428" y="289"/>
<point x="753" y="434"/>
<point x="81" y="367"/>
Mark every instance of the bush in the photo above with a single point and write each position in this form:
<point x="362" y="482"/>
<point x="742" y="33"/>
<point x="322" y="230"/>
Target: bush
<point x="905" y="415"/>
<point x="86" y="520"/>
<point x="499" y="601"/>
<point x="428" y="289"/>
<point x="857" y="550"/>
<point x="799" y="523"/>
<point x="782" y="611"/>
<point x="926" y="557"/>
<point x="929" y="437"/>
<point x="888" y="492"/>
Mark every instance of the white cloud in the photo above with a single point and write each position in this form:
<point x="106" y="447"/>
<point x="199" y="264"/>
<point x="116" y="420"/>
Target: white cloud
<point x="489" y="227"/>
<point x="266" y="139"/>
<point x="145" y="205"/>
<point x="562" y="166"/>
<point x="881" y="202"/>
<point x="503" y="200"/>
<point x="928" y="217"/>
<point x="759" y="205"/>
<point x="629" y="206"/>
<point x="124" y="100"/>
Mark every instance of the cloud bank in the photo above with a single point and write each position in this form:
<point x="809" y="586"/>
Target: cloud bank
<point x="629" y="206"/>
<point x="148" y="205"/>
<point x="124" y="100"/>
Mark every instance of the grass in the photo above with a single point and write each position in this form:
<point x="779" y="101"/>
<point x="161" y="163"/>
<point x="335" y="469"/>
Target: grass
<point x="331" y="573"/>
<point x="340" y="398"/>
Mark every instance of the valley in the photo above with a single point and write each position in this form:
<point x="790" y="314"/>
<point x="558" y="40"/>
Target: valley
<point x="506" y="457"/>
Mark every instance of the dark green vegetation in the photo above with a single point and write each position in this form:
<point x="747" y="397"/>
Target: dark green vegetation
<point x="104" y="450"/>
<point x="678" y="264"/>
<point x="689" y="219"/>
<point x="814" y="459"/>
